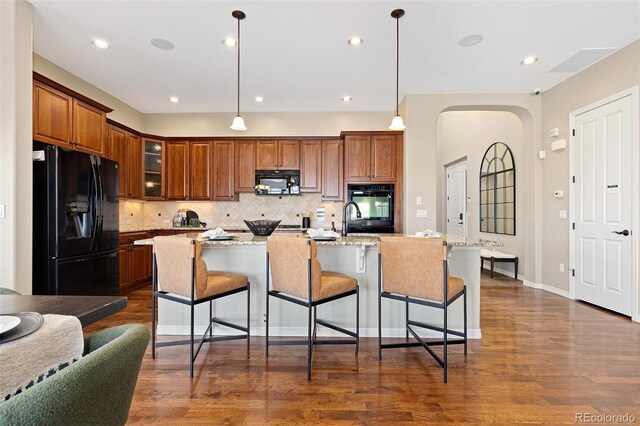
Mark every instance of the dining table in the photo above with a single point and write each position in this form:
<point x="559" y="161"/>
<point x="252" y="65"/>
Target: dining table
<point x="88" y="309"/>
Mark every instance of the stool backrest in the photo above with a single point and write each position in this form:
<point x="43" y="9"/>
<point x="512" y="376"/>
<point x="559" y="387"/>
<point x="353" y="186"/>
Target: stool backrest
<point x="291" y="259"/>
<point x="413" y="266"/>
<point x="175" y="258"/>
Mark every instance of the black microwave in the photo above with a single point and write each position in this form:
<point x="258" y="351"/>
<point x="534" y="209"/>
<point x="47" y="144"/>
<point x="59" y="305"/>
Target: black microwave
<point x="277" y="182"/>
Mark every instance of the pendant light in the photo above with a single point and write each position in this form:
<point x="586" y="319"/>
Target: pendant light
<point x="397" y="123"/>
<point x="238" y="121"/>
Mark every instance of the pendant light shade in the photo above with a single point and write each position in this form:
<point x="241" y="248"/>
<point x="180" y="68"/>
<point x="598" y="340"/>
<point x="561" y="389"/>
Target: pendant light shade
<point x="238" y="121"/>
<point x="238" y="124"/>
<point x="397" y="123"/>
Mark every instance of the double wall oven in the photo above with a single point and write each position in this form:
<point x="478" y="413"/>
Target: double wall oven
<point x="376" y="207"/>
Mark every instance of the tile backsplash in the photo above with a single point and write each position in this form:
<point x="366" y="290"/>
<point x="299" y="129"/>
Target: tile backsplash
<point x="152" y="214"/>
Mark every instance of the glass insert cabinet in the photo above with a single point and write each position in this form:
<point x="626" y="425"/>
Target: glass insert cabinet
<point x="498" y="191"/>
<point x="154" y="162"/>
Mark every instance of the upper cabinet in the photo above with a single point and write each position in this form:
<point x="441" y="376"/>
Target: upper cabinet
<point x="245" y="166"/>
<point x="117" y="144"/>
<point x="223" y="175"/>
<point x="66" y="118"/>
<point x="278" y="155"/>
<point x="133" y="163"/>
<point x="52" y="112"/>
<point x="189" y="170"/>
<point x="153" y="169"/>
<point x="200" y="170"/>
<point x="332" y="170"/>
<point x="177" y="170"/>
<point x="310" y="166"/>
<point x="372" y="157"/>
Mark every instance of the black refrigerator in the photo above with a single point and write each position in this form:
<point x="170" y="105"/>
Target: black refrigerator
<point x="75" y="223"/>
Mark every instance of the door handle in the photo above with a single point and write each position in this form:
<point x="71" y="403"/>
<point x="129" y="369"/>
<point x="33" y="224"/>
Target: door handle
<point x="460" y="216"/>
<point x="625" y="232"/>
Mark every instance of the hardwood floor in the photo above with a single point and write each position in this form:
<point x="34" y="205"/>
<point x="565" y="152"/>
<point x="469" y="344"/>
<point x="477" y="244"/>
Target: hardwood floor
<point x="542" y="359"/>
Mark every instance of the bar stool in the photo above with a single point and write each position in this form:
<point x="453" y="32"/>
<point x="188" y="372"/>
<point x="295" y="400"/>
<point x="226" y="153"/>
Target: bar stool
<point x="182" y="275"/>
<point x="297" y="277"/>
<point x="415" y="270"/>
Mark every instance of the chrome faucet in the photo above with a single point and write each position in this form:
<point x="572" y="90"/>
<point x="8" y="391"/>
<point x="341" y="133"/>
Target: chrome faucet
<point x="345" y="222"/>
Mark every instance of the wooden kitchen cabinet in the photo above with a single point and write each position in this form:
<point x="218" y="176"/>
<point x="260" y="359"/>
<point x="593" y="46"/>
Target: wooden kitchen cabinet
<point x="245" y="166"/>
<point x="200" y="170"/>
<point x="311" y="166"/>
<point x="372" y="157"/>
<point x="153" y="169"/>
<point x="177" y="170"/>
<point x="133" y="164"/>
<point x="117" y="142"/>
<point x="135" y="261"/>
<point x="223" y="171"/>
<point x="52" y="115"/>
<point x="65" y="118"/>
<point x="288" y="155"/>
<point x="332" y="170"/>
<point x="89" y="125"/>
<point x="278" y="155"/>
<point x="267" y="155"/>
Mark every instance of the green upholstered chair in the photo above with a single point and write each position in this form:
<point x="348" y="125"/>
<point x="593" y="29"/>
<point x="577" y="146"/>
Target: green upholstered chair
<point x="95" y="390"/>
<point x="8" y="292"/>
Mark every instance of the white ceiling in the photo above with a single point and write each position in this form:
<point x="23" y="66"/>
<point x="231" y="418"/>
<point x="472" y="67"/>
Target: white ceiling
<point x="295" y="53"/>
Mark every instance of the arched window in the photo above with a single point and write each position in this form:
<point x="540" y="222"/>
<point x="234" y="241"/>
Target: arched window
<point x="498" y="191"/>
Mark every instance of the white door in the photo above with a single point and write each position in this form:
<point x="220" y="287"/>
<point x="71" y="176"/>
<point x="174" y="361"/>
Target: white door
<point x="456" y="200"/>
<point x="603" y="206"/>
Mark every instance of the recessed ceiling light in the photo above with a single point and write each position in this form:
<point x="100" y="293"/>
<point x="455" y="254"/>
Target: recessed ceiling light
<point x="259" y="99"/>
<point x="162" y="44"/>
<point x="174" y="99"/>
<point x="100" y="44"/>
<point x="229" y="42"/>
<point x="346" y="98"/>
<point x="470" y="40"/>
<point x="355" y="41"/>
<point x="529" y="60"/>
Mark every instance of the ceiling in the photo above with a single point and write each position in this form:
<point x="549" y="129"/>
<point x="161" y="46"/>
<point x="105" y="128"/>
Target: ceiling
<point x="296" y="55"/>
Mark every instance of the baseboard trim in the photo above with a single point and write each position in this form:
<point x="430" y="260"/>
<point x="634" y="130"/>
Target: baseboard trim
<point x="183" y="330"/>
<point x="505" y="272"/>
<point x="545" y="287"/>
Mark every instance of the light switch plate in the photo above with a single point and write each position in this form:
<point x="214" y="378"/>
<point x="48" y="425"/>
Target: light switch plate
<point x="561" y="267"/>
<point x="563" y="214"/>
<point x="2" y="211"/>
<point x="422" y="213"/>
<point x="418" y="201"/>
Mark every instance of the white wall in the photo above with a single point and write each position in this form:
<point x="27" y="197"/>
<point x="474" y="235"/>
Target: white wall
<point x="266" y="123"/>
<point x="122" y="113"/>
<point x="613" y="74"/>
<point x="16" y="42"/>
<point x="424" y="177"/>
<point x="468" y="134"/>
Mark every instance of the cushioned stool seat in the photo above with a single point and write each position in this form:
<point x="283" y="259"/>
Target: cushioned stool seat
<point x="219" y="282"/>
<point x="333" y="283"/>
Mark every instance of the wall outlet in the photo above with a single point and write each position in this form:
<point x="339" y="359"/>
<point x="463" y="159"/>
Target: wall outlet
<point x="128" y="222"/>
<point x="562" y="214"/>
<point x="166" y="222"/>
<point x="418" y="201"/>
<point x="421" y="213"/>
<point x="561" y="267"/>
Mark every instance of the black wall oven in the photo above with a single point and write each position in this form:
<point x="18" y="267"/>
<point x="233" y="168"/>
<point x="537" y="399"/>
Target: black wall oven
<point x="376" y="206"/>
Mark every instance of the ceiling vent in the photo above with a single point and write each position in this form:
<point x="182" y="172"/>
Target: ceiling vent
<point x="582" y="59"/>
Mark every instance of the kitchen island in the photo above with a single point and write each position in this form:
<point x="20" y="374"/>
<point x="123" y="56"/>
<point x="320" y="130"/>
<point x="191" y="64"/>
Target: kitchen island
<point x="356" y="256"/>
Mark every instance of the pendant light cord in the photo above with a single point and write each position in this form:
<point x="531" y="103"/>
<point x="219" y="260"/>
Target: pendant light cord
<point x="238" y="94"/>
<point x="397" y="62"/>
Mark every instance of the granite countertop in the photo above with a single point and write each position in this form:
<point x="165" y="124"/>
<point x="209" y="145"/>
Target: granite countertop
<point x="247" y="239"/>
<point x="186" y="229"/>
